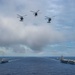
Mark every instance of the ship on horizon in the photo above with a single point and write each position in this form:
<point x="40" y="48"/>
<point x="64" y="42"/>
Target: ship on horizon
<point x="67" y="61"/>
<point x="3" y="60"/>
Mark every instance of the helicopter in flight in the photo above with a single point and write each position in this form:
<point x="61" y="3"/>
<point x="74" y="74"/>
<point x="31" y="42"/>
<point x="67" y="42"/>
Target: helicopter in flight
<point x="49" y="19"/>
<point x="35" y="13"/>
<point x="21" y="17"/>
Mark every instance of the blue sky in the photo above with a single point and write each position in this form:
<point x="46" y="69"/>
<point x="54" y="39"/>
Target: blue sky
<point x="34" y="36"/>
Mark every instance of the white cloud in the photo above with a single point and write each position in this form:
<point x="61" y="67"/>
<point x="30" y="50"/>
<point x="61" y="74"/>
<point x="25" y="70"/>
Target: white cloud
<point x="35" y="37"/>
<point x="33" y="33"/>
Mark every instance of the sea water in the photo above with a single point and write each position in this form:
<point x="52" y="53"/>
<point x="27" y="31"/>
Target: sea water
<point x="36" y="66"/>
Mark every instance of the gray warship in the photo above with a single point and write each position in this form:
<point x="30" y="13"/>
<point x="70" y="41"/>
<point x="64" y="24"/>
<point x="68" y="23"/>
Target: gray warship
<point x="67" y="61"/>
<point x="3" y="60"/>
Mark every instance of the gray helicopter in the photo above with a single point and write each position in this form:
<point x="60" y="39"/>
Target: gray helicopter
<point x="21" y="17"/>
<point x="35" y="13"/>
<point x="49" y="19"/>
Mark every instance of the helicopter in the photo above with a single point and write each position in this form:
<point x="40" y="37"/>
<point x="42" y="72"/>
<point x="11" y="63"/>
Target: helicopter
<point x="35" y="13"/>
<point x="21" y="17"/>
<point x="49" y="19"/>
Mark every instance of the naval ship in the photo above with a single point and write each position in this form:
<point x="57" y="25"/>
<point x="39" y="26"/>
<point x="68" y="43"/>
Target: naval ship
<point x="3" y="60"/>
<point x="67" y="61"/>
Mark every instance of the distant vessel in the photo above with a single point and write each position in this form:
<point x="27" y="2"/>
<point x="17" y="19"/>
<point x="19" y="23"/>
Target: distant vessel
<point x="3" y="61"/>
<point x="67" y="61"/>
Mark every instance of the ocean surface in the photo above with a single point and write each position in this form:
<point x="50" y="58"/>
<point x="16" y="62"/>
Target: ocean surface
<point x="36" y="66"/>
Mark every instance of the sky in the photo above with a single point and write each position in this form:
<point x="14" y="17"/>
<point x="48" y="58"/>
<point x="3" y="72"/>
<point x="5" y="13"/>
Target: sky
<point x="34" y="36"/>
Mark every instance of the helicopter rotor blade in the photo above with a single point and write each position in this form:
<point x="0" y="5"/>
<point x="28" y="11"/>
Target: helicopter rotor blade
<point x="25" y="15"/>
<point x="46" y="17"/>
<point x="32" y="11"/>
<point x="53" y="16"/>
<point x="18" y="15"/>
<point x="38" y="10"/>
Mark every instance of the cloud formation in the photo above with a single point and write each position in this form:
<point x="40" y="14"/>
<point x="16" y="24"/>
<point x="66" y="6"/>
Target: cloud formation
<point x="34" y="33"/>
<point x="35" y="37"/>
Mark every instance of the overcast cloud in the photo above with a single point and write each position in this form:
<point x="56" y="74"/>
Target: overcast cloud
<point x="34" y="33"/>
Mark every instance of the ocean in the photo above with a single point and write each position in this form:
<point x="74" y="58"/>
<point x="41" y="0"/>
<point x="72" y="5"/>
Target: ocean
<point x="36" y="66"/>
